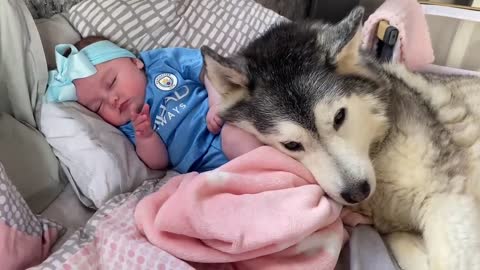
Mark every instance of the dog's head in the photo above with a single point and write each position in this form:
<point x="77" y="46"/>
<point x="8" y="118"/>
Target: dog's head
<point x="305" y="90"/>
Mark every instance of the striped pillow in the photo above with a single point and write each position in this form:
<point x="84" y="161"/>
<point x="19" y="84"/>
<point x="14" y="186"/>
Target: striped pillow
<point x="139" y="25"/>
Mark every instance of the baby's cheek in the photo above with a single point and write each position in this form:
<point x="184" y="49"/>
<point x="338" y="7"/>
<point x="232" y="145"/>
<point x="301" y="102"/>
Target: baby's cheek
<point x="109" y="117"/>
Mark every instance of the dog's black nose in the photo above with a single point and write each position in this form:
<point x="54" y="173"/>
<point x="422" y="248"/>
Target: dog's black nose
<point x="357" y="192"/>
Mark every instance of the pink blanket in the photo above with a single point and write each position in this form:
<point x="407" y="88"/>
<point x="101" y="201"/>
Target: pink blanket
<point x="262" y="210"/>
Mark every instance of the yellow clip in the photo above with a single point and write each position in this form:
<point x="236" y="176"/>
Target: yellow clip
<point x="381" y="28"/>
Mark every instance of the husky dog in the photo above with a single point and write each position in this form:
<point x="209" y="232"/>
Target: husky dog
<point x="400" y="147"/>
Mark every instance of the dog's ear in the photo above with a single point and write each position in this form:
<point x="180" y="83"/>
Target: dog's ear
<point x="227" y="75"/>
<point x="345" y="39"/>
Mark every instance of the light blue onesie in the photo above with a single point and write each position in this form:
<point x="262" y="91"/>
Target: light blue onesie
<point x="178" y="103"/>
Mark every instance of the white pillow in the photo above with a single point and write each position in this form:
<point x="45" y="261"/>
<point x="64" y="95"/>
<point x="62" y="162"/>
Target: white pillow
<point x="100" y="158"/>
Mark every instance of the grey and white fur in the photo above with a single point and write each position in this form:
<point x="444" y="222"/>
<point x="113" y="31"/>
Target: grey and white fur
<point x="398" y="146"/>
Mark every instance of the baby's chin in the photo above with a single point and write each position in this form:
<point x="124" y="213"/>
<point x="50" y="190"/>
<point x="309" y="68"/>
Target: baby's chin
<point x="118" y="122"/>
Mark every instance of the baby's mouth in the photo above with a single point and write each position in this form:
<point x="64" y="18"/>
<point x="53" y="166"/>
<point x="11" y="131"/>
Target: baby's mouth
<point x="137" y="106"/>
<point x="131" y="105"/>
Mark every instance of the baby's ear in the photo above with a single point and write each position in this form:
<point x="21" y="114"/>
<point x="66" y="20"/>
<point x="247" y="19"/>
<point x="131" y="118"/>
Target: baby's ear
<point x="138" y="63"/>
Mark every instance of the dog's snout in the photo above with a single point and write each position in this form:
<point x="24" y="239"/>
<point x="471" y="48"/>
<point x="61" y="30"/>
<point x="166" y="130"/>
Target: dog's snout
<point x="357" y="192"/>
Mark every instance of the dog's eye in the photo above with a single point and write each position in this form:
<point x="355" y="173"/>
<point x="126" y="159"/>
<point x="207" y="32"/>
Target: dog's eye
<point x="293" y="146"/>
<point x="339" y="118"/>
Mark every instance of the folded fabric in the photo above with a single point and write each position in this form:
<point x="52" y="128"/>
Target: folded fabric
<point x="263" y="210"/>
<point x="25" y="238"/>
<point x="415" y="47"/>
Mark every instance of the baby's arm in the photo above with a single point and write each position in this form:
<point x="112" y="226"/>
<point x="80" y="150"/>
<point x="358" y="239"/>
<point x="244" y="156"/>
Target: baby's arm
<point x="150" y="148"/>
<point x="235" y="141"/>
<point x="214" y="121"/>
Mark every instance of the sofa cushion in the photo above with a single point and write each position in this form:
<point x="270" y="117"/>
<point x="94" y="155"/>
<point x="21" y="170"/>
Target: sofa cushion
<point x="27" y="157"/>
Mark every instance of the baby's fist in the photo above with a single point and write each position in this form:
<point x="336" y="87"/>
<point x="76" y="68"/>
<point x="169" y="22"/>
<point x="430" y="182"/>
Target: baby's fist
<point x="141" y="122"/>
<point x="214" y="121"/>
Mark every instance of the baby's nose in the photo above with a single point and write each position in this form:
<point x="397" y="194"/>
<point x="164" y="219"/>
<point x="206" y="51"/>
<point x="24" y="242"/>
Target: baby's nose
<point x="114" y="101"/>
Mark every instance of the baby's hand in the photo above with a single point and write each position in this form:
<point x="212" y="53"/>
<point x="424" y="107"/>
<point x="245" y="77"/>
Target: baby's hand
<point x="141" y="123"/>
<point x="214" y="121"/>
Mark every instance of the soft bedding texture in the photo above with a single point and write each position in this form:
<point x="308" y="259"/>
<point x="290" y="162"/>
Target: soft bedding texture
<point x="139" y="25"/>
<point x="100" y="158"/>
<point x="25" y="239"/>
<point x="23" y="76"/>
<point x="256" y="215"/>
<point x="110" y="240"/>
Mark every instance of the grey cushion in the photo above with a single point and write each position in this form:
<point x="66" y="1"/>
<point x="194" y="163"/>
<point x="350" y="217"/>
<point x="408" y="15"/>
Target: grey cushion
<point x="47" y="8"/>
<point x="53" y="31"/>
<point x="27" y="157"/>
<point x="30" y="163"/>
<point x="367" y="250"/>
<point x="23" y="72"/>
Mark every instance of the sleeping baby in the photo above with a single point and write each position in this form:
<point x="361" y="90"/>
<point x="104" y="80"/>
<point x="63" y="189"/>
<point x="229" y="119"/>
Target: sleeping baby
<point x="162" y="101"/>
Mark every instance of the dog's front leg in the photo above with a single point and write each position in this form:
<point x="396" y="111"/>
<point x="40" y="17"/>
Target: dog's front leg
<point x="451" y="231"/>
<point x="408" y="250"/>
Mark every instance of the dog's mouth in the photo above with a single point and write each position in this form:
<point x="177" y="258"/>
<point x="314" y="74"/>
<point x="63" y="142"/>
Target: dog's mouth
<point x="338" y="199"/>
<point x="351" y="195"/>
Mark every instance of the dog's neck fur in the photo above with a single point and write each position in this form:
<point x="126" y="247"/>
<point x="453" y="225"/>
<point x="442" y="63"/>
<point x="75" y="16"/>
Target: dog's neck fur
<point x="385" y="91"/>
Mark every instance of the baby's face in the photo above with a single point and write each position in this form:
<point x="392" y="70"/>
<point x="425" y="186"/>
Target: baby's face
<point x="115" y="91"/>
